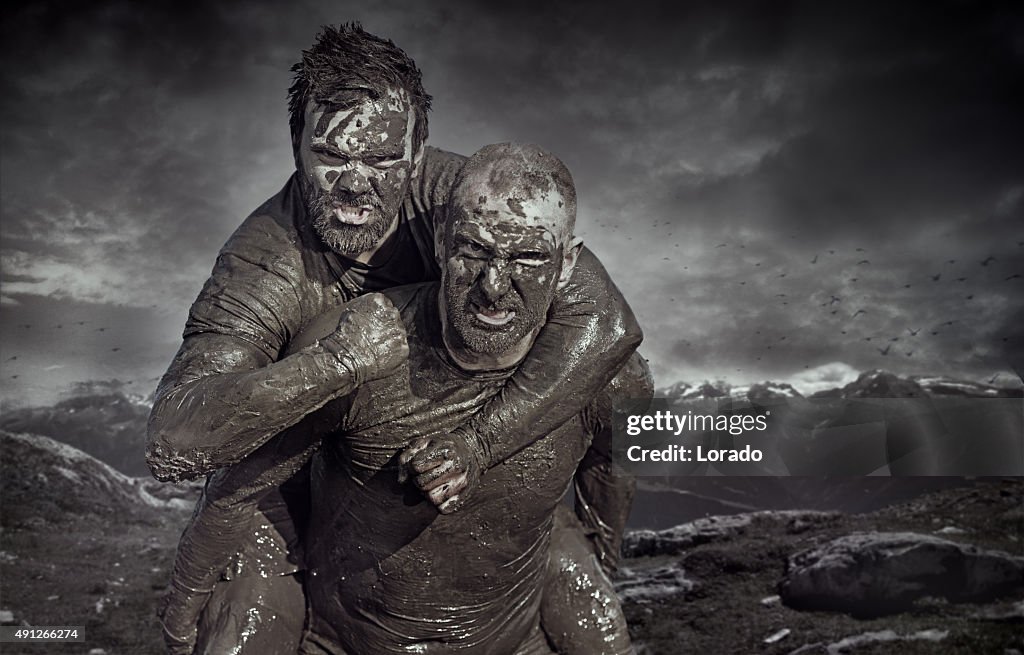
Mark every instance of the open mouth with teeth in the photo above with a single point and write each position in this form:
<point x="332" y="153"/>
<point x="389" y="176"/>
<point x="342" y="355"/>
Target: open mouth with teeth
<point x="350" y="215"/>
<point x="494" y="317"/>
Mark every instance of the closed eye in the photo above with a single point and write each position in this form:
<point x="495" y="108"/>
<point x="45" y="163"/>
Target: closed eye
<point x="531" y="259"/>
<point x="330" y="157"/>
<point x="381" y="162"/>
<point x="471" y="250"/>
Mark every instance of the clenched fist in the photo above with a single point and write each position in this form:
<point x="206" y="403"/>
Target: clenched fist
<point x="443" y="468"/>
<point x="370" y="338"/>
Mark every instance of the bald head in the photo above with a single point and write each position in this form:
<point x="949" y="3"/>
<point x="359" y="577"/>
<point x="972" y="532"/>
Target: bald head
<point x="521" y="181"/>
<point x="507" y="247"/>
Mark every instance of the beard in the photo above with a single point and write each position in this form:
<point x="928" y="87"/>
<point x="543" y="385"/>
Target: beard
<point x="341" y="237"/>
<point x="484" y="339"/>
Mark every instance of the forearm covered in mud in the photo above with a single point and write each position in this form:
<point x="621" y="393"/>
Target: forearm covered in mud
<point x="221" y="400"/>
<point x="590" y="332"/>
<point x="229" y="502"/>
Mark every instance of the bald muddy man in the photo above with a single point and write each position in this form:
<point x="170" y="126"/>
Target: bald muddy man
<point x="360" y="214"/>
<point x="389" y="572"/>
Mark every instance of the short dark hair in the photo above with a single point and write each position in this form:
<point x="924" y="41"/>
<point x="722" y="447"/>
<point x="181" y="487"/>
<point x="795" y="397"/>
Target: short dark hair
<point x="347" y="57"/>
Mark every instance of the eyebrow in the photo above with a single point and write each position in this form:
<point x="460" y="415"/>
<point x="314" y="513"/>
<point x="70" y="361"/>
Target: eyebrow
<point x="329" y="148"/>
<point x="529" y="253"/>
<point x="464" y="240"/>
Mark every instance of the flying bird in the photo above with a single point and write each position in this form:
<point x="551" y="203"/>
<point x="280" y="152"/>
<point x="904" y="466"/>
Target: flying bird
<point x="885" y="351"/>
<point x="863" y="261"/>
<point x="988" y="260"/>
<point x="935" y="278"/>
<point x="858" y="313"/>
<point x="1012" y="277"/>
<point x="913" y="333"/>
<point x="815" y="260"/>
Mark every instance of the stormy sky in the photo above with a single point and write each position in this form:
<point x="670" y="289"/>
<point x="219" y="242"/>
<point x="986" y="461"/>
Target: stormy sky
<point x="789" y="191"/>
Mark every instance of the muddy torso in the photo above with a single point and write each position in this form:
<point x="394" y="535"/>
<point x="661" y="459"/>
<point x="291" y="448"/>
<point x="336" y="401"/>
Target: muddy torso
<point x="386" y="570"/>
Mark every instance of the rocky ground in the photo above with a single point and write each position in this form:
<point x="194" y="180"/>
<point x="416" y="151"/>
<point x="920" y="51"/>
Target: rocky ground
<point x="83" y="544"/>
<point x="714" y="588"/>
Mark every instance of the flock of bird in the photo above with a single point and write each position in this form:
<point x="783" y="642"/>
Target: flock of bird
<point x="851" y="306"/>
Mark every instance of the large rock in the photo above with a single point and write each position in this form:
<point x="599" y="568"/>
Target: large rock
<point x="871" y="574"/>
<point x="651" y="543"/>
<point x="645" y="585"/>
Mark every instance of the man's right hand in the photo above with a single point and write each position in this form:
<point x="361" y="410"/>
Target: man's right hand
<point x="370" y="338"/>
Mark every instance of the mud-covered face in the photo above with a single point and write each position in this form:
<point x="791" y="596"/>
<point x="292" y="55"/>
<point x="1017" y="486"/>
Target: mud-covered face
<point x="499" y="273"/>
<point x="355" y="158"/>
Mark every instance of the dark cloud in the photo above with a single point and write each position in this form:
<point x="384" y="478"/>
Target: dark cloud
<point x="136" y="137"/>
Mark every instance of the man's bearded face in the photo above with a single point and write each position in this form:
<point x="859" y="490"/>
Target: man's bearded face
<point x="355" y="159"/>
<point x="499" y="275"/>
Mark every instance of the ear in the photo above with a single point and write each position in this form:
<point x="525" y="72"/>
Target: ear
<point x="572" y="252"/>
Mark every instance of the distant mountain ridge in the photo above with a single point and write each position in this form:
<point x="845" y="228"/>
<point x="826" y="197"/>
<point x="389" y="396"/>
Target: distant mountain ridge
<point x="110" y="425"/>
<point x="876" y="383"/>
<point x="44" y="479"/>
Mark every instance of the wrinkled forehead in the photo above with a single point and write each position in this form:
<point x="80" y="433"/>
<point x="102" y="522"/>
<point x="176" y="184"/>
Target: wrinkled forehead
<point x="357" y="123"/>
<point x="503" y="234"/>
<point x="527" y="205"/>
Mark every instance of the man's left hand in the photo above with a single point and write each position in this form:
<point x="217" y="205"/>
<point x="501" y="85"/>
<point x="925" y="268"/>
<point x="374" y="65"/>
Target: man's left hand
<point x="443" y="468"/>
